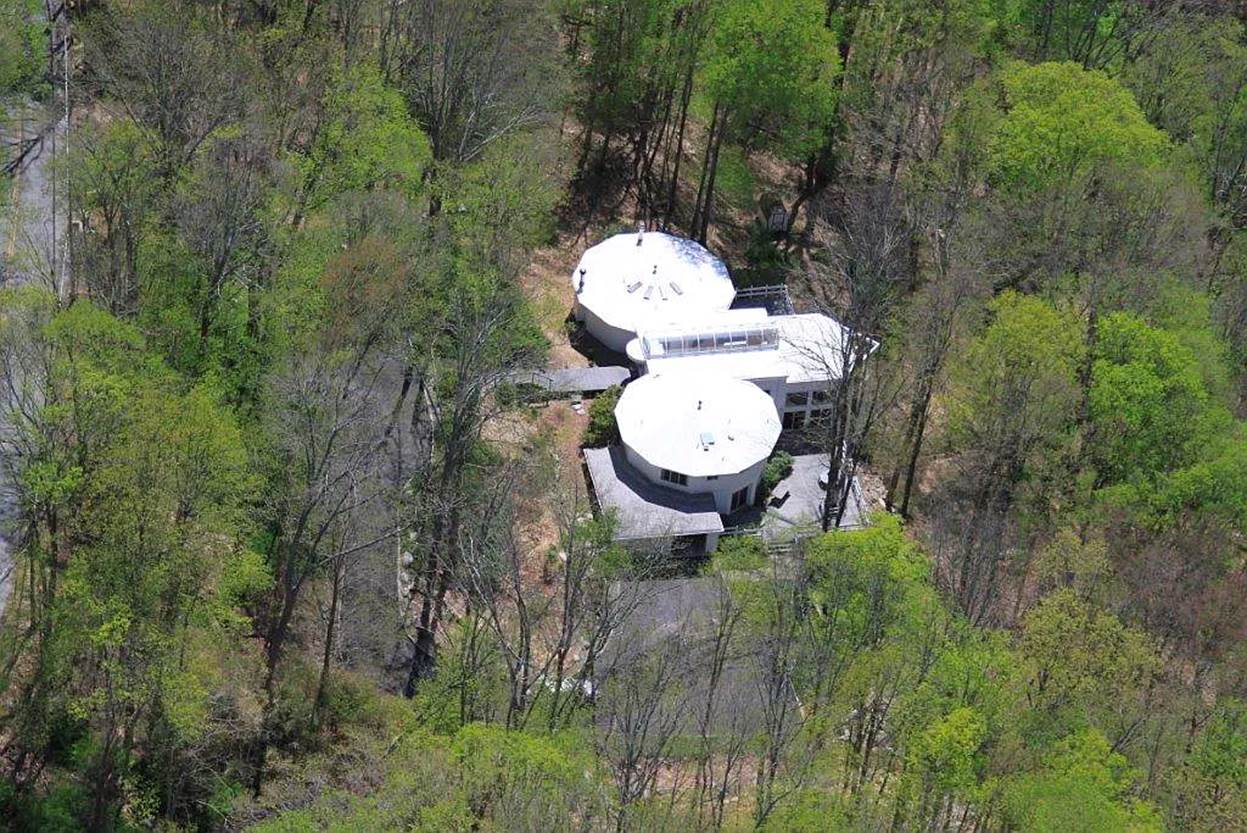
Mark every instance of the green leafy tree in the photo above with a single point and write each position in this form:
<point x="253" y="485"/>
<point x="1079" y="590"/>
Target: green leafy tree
<point x="1148" y="405"/>
<point x="1212" y="784"/>
<point x="133" y="489"/>
<point x="367" y="141"/>
<point x="23" y="43"/>
<point x="1085" y="667"/>
<point x="1062" y="125"/>
<point x="113" y="181"/>
<point x="769" y="72"/>
<point x="1082" y="785"/>
<point x="770" y="69"/>
<point x="1083" y="194"/>
<point x="946" y="757"/>
<point x="1011" y="415"/>
<point x="602" y="429"/>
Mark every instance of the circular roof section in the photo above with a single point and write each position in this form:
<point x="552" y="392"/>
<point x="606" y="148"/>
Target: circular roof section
<point x="631" y="281"/>
<point x="699" y="425"/>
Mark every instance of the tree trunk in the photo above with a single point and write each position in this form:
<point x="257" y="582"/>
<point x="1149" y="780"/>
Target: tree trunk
<point x="327" y="655"/>
<point x="685" y="97"/>
<point x="912" y="471"/>
<point x="708" y="208"/>
<point x="699" y="206"/>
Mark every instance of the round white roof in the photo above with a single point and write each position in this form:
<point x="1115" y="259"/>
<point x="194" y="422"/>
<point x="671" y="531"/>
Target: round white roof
<point x="698" y="424"/>
<point x="663" y="279"/>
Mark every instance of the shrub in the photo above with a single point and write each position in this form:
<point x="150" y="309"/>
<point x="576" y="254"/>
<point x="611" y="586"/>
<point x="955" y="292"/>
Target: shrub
<point x="514" y="394"/>
<point x="738" y="552"/>
<point x="602" y="429"/>
<point x="766" y="264"/>
<point x="776" y="469"/>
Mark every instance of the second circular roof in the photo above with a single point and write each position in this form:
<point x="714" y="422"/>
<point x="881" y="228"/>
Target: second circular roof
<point x="631" y="281"/>
<point x="700" y="425"/>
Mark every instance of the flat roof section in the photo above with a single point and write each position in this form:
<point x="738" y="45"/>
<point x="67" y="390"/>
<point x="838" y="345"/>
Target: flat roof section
<point x="574" y="379"/>
<point x="642" y="509"/>
<point x="631" y="281"/>
<point x="808" y="350"/>
<point x="698" y="424"/>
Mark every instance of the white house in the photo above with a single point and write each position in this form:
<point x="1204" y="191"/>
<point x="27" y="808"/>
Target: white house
<point x="715" y="385"/>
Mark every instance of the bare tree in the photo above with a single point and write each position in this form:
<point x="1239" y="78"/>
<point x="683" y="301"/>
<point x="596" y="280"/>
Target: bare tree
<point x="218" y="215"/>
<point x="330" y="492"/>
<point x="1096" y="33"/>
<point x="473" y="72"/>
<point x="934" y="315"/>
<point x="643" y="707"/>
<point x="177" y="79"/>
<point x="783" y="761"/>
<point x="724" y="714"/>
<point x="862" y="269"/>
<point x="476" y="350"/>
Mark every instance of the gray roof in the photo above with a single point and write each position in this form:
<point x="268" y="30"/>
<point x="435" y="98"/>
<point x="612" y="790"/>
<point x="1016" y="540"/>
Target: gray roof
<point x="575" y="379"/>
<point x="644" y="510"/>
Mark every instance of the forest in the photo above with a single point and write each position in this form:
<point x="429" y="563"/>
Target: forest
<point x="289" y="549"/>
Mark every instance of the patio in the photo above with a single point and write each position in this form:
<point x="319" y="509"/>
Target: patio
<point x="801" y="511"/>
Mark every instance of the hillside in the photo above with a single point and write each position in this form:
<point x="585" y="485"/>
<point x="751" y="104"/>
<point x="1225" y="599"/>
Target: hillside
<point x="304" y="522"/>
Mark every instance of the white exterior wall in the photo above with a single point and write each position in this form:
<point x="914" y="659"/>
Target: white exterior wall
<point x="613" y="337"/>
<point x="722" y="487"/>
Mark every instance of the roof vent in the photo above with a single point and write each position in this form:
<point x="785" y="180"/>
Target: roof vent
<point x="707" y="440"/>
<point x="633" y="287"/>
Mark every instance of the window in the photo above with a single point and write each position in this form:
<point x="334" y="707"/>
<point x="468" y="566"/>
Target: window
<point x="675" y="477"/>
<point x="740" y="497"/>
<point x="821" y="396"/>
<point x="801" y="398"/>
<point x="794" y="420"/>
<point x="712" y="477"/>
<point x="821" y="416"/>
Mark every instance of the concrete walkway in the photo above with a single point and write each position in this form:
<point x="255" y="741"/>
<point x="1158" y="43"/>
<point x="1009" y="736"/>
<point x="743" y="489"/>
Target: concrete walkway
<point x="575" y="380"/>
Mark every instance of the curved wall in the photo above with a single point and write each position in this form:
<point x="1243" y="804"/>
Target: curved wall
<point x="722" y="487"/>
<point x="612" y="337"/>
